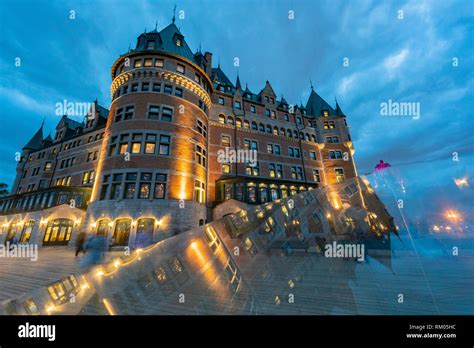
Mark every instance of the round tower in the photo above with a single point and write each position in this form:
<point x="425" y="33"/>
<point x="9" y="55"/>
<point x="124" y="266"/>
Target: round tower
<point x="151" y="178"/>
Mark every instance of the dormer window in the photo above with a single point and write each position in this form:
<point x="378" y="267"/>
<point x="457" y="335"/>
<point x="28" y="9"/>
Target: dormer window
<point x="138" y="63"/>
<point x="266" y="99"/>
<point x="325" y="113"/>
<point x="150" y="45"/>
<point x="158" y="63"/>
<point x="179" y="42"/>
<point x="148" y="62"/>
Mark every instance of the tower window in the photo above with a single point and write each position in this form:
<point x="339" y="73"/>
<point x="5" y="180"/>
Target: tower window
<point x="137" y="63"/>
<point x="339" y="174"/>
<point x="167" y="114"/>
<point x="158" y="63"/>
<point x="150" y="45"/>
<point x="178" y="92"/>
<point x="148" y="62"/>
<point x="180" y="68"/>
<point x="252" y="109"/>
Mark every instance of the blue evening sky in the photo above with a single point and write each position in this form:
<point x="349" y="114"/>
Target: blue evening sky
<point x="405" y="60"/>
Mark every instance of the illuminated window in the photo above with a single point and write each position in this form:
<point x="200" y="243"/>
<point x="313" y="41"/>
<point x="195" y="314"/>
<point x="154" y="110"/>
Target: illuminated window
<point x="246" y="124"/>
<point x="225" y="140"/>
<point x="296" y="173"/>
<point x="199" y="191"/>
<point x="201" y="154"/>
<point x="138" y="63"/>
<point x="122" y="232"/>
<point x="335" y="154"/>
<point x="312" y="155"/>
<point x="238" y="122"/>
<point x="26" y="232"/>
<point x="160" y="186"/>
<point x="150" y="147"/>
<point x="58" y="232"/>
<point x="211" y="238"/>
<point x="158" y="63"/>
<point x="339" y="174"/>
<point x="221" y="119"/>
<point x="226" y="168"/>
<point x="316" y="175"/>
<point x="148" y="62"/>
<point x="136" y="147"/>
<point x="325" y="113"/>
<point x="201" y="128"/>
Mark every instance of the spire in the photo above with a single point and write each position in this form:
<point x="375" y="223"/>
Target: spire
<point x="36" y="140"/>
<point x="311" y="84"/>
<point x="156" y="25"/>
<point x="237" y="83"/>
<point x="174" y="13"/>
<point x="338" y="109"/>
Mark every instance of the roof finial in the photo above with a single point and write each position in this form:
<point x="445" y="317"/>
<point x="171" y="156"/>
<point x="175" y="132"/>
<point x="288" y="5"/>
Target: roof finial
<point x="219" y="62"/>
<point x="145" y="31"/>
<point x="174" y="13"/>
<point x="311" y="84"/>
<point x="156" y="25"/>
<point x="129" y="46"/>
<point x="199" y="47"/>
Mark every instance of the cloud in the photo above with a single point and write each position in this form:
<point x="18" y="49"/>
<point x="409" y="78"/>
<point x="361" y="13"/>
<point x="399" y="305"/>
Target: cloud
<point x="392" y="62"/>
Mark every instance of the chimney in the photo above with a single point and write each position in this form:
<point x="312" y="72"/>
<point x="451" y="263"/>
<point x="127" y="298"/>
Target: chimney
<point x="208" y="57"/>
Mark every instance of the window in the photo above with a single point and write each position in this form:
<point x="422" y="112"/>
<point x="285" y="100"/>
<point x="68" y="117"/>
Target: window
<point x="47" y="166"/>
<point x="201" y="128"/>
<point x="238" y="105"/>
<point x="267" y="112"/>
<point x="221" y="101"/>
<point x="273" y="114"/>
<point x="270" y="148"/>
<point x="180" y="68"/>
<point x="137" y="63"/>
<point x="238" y="122"/>
<point x="250" y="145"/>
<point x="160" y="186"/>
<point x="168" y="89"/>
<point x="123" y="148"/>
<point x="269" y="129"/>
<point x="122" y="232"/>
<point x="325" y="113"/>
<point x="275" y="170"/>
<point x="150" y="45"/>
<point x="199" y="191"/>
<point x="275" y="130"/>
<point x="150" y="147"/>
<point x="286" y="117"/>
<point x="178" y="92"/>
<point x="332" y="140"/>
<point x="145" y="86"/>
<point x="148" y="62"/>
<point x="339" y="174"/>
<point x="252" y="169"/>
<point x="226" y="168"/>
<point x="164" y="147"/>
<point x="261" y="127"/>
<point x="128" y="112"/>
<point x="254" y="126"/>
<point x="294" y="152"/>
<point x="316" y="175"/>
<point x="221" y="119"/>
<point x="158" y="63"/>
<point x="329" y="125"/>
<point x="58" y="232"/>
<point x="252" y="109"/>
<point x="145" y="186"/>
<point x="201" y="155"/>
<point x="134" y="87"/>
<point x="230" y="120"/>
<point x="246" y="124"/>
<point x="312" y="155"/>
<point x="225" y="140"/>
<point x="335" y="154"/>
<point x="129" y="192"/>
<point x="153" y="112"/>
<point x="277" y="149"/>
<point x="136" y="146"/>
<point x="197" y="78"/>
<point x="156" y="87"/>
<point x="26" y="232"/>
<point x="297" y="173"/>
<point x="167" y="114"/>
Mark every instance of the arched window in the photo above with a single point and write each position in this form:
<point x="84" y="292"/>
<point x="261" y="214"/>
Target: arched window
<point x="289" y="133"/>
<point x="313" y="137"/>
<point x="122" y="232"/>
<point x="246" y="124"/>
<point x="254" y="126"/>
<point x="261" y="127"/>
<point x="221" y="119"/>
<point x="307" y="137"/>
<point x="301" y="136"/>
<point x="58" y="232"/>
<point x="102" y="227"/>
<point x="275" y="130"/>
<point x="145" y="229"/>
<point x="230" y="120"/>
<point x="238" y="122"/>
<point x="283" y="131"/>
<point x="295" y="134"/>
<point x="269" y="128"/>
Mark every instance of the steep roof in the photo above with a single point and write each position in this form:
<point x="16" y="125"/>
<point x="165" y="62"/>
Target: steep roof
<point x="166" y="40"/>
<point x="221" y="77"/>
<point x="316" y="105"/>
<point x="36" y="141"/>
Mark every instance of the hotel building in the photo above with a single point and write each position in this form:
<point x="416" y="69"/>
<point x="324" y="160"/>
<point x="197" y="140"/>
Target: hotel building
<point x="148" y="168"/>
